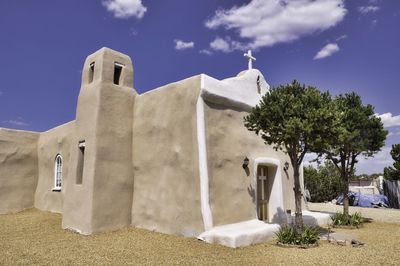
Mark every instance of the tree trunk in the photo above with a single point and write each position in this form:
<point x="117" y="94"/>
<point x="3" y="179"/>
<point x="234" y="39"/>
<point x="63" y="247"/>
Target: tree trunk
<point x="297" y="197"/>
<point x="345" y="193"/>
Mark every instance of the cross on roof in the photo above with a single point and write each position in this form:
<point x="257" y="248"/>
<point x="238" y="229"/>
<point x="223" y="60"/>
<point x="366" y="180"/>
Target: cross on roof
<point x="250" y="58"/>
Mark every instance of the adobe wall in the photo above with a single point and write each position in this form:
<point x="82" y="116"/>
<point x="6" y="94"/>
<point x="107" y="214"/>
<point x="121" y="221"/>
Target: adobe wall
<point x="19" y="169"/>
<point x="166" y="196"/>
<point x="51" y="143"/>
<point x="102" y="199"/>
<point x="228" y="143"/>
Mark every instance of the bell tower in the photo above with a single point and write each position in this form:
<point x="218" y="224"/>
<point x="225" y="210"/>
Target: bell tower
<point x="99" y="189"/>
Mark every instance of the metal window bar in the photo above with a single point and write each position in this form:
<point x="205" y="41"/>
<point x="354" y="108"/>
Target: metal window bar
<point x="58" y="172"/>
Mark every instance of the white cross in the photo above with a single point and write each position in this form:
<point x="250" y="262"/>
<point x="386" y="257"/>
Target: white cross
<point x="262" y="178"/>
<point x="250" y="58"/>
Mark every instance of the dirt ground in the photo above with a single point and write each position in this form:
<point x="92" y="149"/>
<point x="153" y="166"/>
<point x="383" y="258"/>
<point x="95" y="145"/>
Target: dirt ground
<point x="376" y="214"/>
<point x="34" y="237"/>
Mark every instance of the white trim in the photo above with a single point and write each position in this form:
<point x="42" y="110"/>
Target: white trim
<point x="276" y="208"/>
<point x="203" y="168"/>
<point x="240" y="91"/>
<point x="119" y="64"/>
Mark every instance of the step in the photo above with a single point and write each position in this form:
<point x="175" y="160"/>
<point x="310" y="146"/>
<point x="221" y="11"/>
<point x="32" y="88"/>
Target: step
<point x="240" y="234"/>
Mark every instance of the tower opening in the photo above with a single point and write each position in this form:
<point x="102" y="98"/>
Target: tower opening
<point x="91" y="72"/>
<point x="117" y="72"/>
<point x="81" y="162"/>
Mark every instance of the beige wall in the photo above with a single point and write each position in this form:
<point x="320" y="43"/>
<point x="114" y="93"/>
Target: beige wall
<point x="166" y="196"/>
<point x="104" y="121"/>
<point x="18" y="171"/>
<point x="51" y="143"/>
<point x="228" y="143"/>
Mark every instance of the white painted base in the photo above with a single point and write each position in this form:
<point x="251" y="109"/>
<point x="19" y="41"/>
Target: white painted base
<point x="240" y="234"/>
<point x="315" y="218"/>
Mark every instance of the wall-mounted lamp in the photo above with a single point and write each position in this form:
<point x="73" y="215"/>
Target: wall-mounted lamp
<point x="245" y="163"/>
<point x="286" y="166"/>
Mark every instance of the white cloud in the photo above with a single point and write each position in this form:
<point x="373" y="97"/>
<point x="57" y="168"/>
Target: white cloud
<point x="220" y="44"/>
<point x="393" y="133"/>
<point x="368" y="9"/>
<point x="206" y="52"/>
<point x="266" y="23"/>
<point x="389" y="120"/>
<point x="368" y="165"/>
<point x="125" y="8"/>
<point x="374" y="164"/>
<point x="226" y="45"/>
<point x="17" y="122"/>
<point x="327" y="50"/>
<point x="181" y="45"/>
<point x="309" y="160"/>
<point x="344" y="36"/>
<point x="133" y="32"/>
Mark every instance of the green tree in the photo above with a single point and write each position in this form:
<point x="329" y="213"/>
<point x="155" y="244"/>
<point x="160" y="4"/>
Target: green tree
<point x="359" y="132"/>
<point x="393" y="173"/>
<point x="323" y="183"/>
<point x="296" y="119"/>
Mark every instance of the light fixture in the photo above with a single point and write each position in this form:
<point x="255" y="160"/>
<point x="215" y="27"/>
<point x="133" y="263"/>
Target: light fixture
<point x="245" y="162"/>
<point x="286" y="167"/>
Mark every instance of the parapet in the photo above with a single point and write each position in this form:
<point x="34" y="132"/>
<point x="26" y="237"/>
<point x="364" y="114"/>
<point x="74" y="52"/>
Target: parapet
<point x="108" y="66"/>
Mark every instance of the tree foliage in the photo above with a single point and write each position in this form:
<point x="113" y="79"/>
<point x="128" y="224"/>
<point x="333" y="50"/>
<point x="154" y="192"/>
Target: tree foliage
<point x="393" y="173"/>
<point x="358" y="132"/>
<point x="323" y="183"/>
<point x="296" y="119"/>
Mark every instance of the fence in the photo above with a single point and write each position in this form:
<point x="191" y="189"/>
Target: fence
<point x="391" y="189"/>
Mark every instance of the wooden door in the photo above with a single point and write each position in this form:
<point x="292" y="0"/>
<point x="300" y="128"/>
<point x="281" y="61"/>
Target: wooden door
<point x="262" y="193"/>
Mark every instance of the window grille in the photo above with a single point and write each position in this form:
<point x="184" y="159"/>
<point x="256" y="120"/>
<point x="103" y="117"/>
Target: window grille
<point x="58" y="172"/>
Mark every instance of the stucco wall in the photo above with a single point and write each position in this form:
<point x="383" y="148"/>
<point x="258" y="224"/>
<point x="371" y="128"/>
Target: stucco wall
<point x="113" y="180"/>
<point x="103" y="200"/>
<point x="51" y="143"/>
<point x="228" y="143"/>
<point x="18" y="171"/>
<point x="166" y="196"/>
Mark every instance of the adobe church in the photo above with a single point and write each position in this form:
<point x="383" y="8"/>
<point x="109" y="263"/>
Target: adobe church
<point x="176" y="159"/>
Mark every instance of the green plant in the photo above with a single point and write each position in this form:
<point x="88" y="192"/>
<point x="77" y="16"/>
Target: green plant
<point x="310" y="235"/>
<point x="341" y="219"/>
<point x="288" y="235"/>
<point x="393" y="173"/>
<point x="323" y="183"/>
<point x="295" y="119"/>
<point x="359" y="132"/>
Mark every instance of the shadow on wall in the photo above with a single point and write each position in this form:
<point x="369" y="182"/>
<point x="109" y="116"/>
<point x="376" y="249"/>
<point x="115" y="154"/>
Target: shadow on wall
<point x="280" y="217"/>
<point x="247" y="170"/>
<point x="309" y="220"/>
<point x="251" y="191"/>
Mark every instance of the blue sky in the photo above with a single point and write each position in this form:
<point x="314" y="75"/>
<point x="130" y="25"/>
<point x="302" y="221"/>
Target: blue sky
<point x="335" y="45"/>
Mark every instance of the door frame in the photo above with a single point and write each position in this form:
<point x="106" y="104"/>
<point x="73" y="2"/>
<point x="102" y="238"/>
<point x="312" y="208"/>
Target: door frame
<point x="276" y="208"/>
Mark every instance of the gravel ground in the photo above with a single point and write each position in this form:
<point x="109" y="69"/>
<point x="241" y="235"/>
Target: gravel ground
<point x="376" y="214"/>
<point x="33" y="237"/>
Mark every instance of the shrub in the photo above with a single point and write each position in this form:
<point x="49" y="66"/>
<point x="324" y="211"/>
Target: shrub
<point x="393" y="173"/>
<point x="341" y="219"/>
<point x="288" y="235"/>
<point x="323" y="183"/>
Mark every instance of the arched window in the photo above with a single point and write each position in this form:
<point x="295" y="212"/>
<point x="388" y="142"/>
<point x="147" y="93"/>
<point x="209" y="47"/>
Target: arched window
<point x="57" y="172"/>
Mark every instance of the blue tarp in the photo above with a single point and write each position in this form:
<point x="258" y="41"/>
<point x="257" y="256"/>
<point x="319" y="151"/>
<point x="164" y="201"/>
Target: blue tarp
<point x="364" y="200"/>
